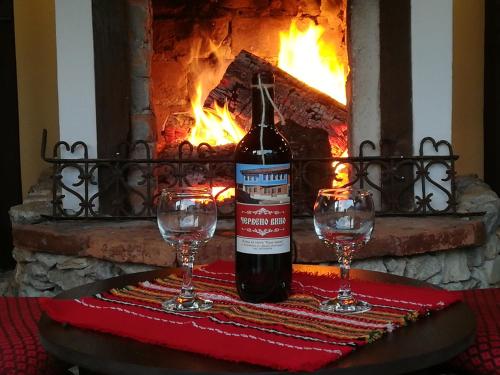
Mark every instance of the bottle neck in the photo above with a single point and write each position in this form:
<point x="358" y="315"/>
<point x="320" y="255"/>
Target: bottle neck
<point x="262" y="108"/>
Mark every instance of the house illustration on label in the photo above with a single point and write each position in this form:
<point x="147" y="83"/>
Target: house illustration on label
<point x="266" y="184"/>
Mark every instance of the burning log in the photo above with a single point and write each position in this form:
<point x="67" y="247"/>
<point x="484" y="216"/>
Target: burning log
<point x="315" y="127"/>
<point x="316" y="124"/>
<point x="308" y="176"/>
<point x="297" y="101"/>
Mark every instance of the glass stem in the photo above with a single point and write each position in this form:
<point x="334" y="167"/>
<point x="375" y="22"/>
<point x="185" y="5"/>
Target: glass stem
<point x="344" y="253"/>
<point x="187" y="260"/>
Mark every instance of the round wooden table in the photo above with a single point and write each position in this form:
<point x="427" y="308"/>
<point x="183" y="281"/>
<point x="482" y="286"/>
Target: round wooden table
<point x="422" y="344"/>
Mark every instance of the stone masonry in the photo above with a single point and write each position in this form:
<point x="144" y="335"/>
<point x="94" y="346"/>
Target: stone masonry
<point x="467" y="268"/>
<point x="52" y="260"/>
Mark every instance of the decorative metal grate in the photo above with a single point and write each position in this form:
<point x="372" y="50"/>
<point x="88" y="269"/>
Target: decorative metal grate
<point x="127" y="188"/>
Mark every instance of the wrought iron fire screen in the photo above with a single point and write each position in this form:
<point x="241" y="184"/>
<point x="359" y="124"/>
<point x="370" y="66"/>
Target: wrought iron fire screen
<point x="124" y="188"/>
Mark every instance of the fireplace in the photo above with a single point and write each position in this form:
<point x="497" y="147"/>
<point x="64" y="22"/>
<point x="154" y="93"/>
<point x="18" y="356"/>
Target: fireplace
<point x="184" y="57"/>
<point x="399" y="55"/>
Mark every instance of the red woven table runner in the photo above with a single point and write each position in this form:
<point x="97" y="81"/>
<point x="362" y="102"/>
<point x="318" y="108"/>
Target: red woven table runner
<point x="293" y="335"/>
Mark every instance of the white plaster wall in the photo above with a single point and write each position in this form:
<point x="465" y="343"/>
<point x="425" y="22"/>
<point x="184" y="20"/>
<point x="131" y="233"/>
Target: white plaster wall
<point x="365" y="85"/>
<point x="365" y="72"/>
<point x="431" y="52"/>
<point x="75" y="81"/>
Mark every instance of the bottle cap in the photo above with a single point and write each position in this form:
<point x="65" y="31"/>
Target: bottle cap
<point x="266" y="77"/>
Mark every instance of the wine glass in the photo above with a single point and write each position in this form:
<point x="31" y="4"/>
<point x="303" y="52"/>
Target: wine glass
<point x="344" y="219"/>
<point x="187" y="218"/>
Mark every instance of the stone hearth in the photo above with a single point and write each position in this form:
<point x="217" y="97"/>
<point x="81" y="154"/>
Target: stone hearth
<point x="140" y="241"/>
<point x="452" y="252"/>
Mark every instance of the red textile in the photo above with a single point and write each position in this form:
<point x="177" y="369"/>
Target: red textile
<point x="292" y="335"/>
<point x="20" y="349"/>
<point x="482" y="357"/>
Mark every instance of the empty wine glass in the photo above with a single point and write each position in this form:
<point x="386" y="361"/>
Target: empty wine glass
<point x="344" y="219"/>
<point x="187" y="218"/>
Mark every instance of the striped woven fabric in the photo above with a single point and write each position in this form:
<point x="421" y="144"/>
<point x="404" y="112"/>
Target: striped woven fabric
<point x="292" y="335"/>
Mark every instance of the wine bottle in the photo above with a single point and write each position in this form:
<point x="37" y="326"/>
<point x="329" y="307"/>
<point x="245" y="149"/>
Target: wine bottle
<point x="263" y="203"/>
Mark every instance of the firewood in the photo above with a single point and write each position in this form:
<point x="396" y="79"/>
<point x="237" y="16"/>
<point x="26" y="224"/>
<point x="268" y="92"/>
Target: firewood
<point x="296" y="100"/>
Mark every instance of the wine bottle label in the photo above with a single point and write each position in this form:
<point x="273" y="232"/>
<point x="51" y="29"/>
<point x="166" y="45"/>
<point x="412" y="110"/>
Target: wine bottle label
<point x="263" y="208"/>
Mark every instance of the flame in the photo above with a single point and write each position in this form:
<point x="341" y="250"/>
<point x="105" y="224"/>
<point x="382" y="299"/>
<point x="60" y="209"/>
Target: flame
<point x="303" y="54"/>
<point x="306" y="56"/>
<point x="223" y="192"/>
<point x="214" y="126"/>
<point x="341" y="170"/>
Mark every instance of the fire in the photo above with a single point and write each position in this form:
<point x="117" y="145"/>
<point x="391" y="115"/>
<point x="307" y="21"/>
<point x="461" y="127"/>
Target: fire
<point x="342" y="172"/>
<point x="214" y="126"/>
<point x="222" y="193"/>
<point x="306" y="56"/>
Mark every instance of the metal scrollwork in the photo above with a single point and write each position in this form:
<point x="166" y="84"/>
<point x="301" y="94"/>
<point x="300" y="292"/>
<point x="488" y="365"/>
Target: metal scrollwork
<point x="128" y="187"/>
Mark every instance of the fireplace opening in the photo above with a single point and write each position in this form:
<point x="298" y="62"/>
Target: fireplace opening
<point x="202" y="64"/>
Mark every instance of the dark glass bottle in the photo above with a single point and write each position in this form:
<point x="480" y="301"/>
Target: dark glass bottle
<point x="263" y="203"/>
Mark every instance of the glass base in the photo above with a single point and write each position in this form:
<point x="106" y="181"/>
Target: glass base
<point x="183" y="304"/>
<point x="345" y="306"/>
